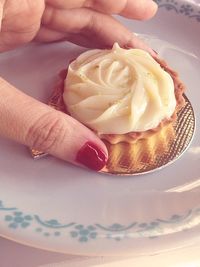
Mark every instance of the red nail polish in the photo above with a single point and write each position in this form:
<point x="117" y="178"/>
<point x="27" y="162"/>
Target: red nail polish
<point x="92" y="156"/>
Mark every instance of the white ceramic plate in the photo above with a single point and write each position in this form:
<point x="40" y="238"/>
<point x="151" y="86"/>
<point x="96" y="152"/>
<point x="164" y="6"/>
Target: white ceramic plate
<point x="53" y="205"/>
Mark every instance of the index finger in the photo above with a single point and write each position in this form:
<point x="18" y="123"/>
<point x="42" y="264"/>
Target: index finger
<point x="134" y="9"/>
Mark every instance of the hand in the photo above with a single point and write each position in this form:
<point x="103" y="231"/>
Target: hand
<point x="84" y="22"/>
<point x="88" y="23"/>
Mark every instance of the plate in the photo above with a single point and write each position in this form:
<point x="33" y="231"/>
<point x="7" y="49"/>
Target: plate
<point x="53" y="205"/>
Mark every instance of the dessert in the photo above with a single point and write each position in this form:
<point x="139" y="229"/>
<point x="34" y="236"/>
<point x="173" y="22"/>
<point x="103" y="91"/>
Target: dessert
<point x="122" y="95"/>
<point x="134" y="103"/>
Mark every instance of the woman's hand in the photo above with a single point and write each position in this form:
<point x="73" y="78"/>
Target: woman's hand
<point x="84" y="22"/>
<point x="88" y="23"/>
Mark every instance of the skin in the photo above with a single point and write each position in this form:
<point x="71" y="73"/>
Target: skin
<point x="29" y="121"/>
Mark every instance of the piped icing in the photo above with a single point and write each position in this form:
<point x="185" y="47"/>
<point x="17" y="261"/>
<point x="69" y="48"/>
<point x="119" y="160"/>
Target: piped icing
<point x="118" y="91"/>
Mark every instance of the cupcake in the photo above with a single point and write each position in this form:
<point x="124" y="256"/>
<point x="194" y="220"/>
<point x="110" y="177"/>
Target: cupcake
<point x="123" y="95"/>
<point x="133" y="102"/>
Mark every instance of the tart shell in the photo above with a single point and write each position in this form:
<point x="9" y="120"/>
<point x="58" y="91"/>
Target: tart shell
<point x="56" y="101"/>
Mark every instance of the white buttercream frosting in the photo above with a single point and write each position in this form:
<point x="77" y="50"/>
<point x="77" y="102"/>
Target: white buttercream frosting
<point x="118" y="91"/>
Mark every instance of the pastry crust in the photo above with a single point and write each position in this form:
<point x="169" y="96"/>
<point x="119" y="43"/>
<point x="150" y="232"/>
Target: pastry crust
<point x="56" y="101"/>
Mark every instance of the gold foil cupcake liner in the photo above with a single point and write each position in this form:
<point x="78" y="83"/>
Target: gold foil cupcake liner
<point x="155" y="152"/>
<point x="145" y="155"/>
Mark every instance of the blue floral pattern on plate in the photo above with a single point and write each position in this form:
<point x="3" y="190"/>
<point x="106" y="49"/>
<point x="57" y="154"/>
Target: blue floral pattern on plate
<point x="17" y="219"/>
<point x="180" y="8"/>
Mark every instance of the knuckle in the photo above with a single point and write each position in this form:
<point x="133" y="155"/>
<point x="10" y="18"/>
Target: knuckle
<point x="94" y="24"/>
<point x="32" y="11"/>
<point x="24" y="21"/>
<point x="47" y="132"/>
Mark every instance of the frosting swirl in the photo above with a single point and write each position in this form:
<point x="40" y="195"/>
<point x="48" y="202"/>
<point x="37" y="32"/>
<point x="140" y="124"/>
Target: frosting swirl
<point x="118" y="91"/>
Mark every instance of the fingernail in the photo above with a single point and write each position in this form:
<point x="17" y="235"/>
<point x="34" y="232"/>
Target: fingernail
<point x="126" y="46"/>
<point x="92" y="156"/>
<point x="155" y="52"/>
<point x="154" y="4"/>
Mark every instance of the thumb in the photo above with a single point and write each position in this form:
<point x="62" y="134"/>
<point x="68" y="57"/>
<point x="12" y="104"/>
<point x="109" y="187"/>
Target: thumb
<point x="37" y="125"/>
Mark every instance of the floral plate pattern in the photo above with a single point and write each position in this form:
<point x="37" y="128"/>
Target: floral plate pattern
<point x="15" y="219"/>
<point x="184" y="8"/>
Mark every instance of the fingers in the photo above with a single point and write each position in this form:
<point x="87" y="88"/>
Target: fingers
<point x="20" y="23"/>
<point x="34" y="124"/>
<point x="84" y="27"/>
<point x="69" y="4"/>
<point x="135" y="9"/>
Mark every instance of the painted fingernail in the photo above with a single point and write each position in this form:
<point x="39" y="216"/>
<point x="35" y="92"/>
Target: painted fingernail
<point x="92" y="156"/>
